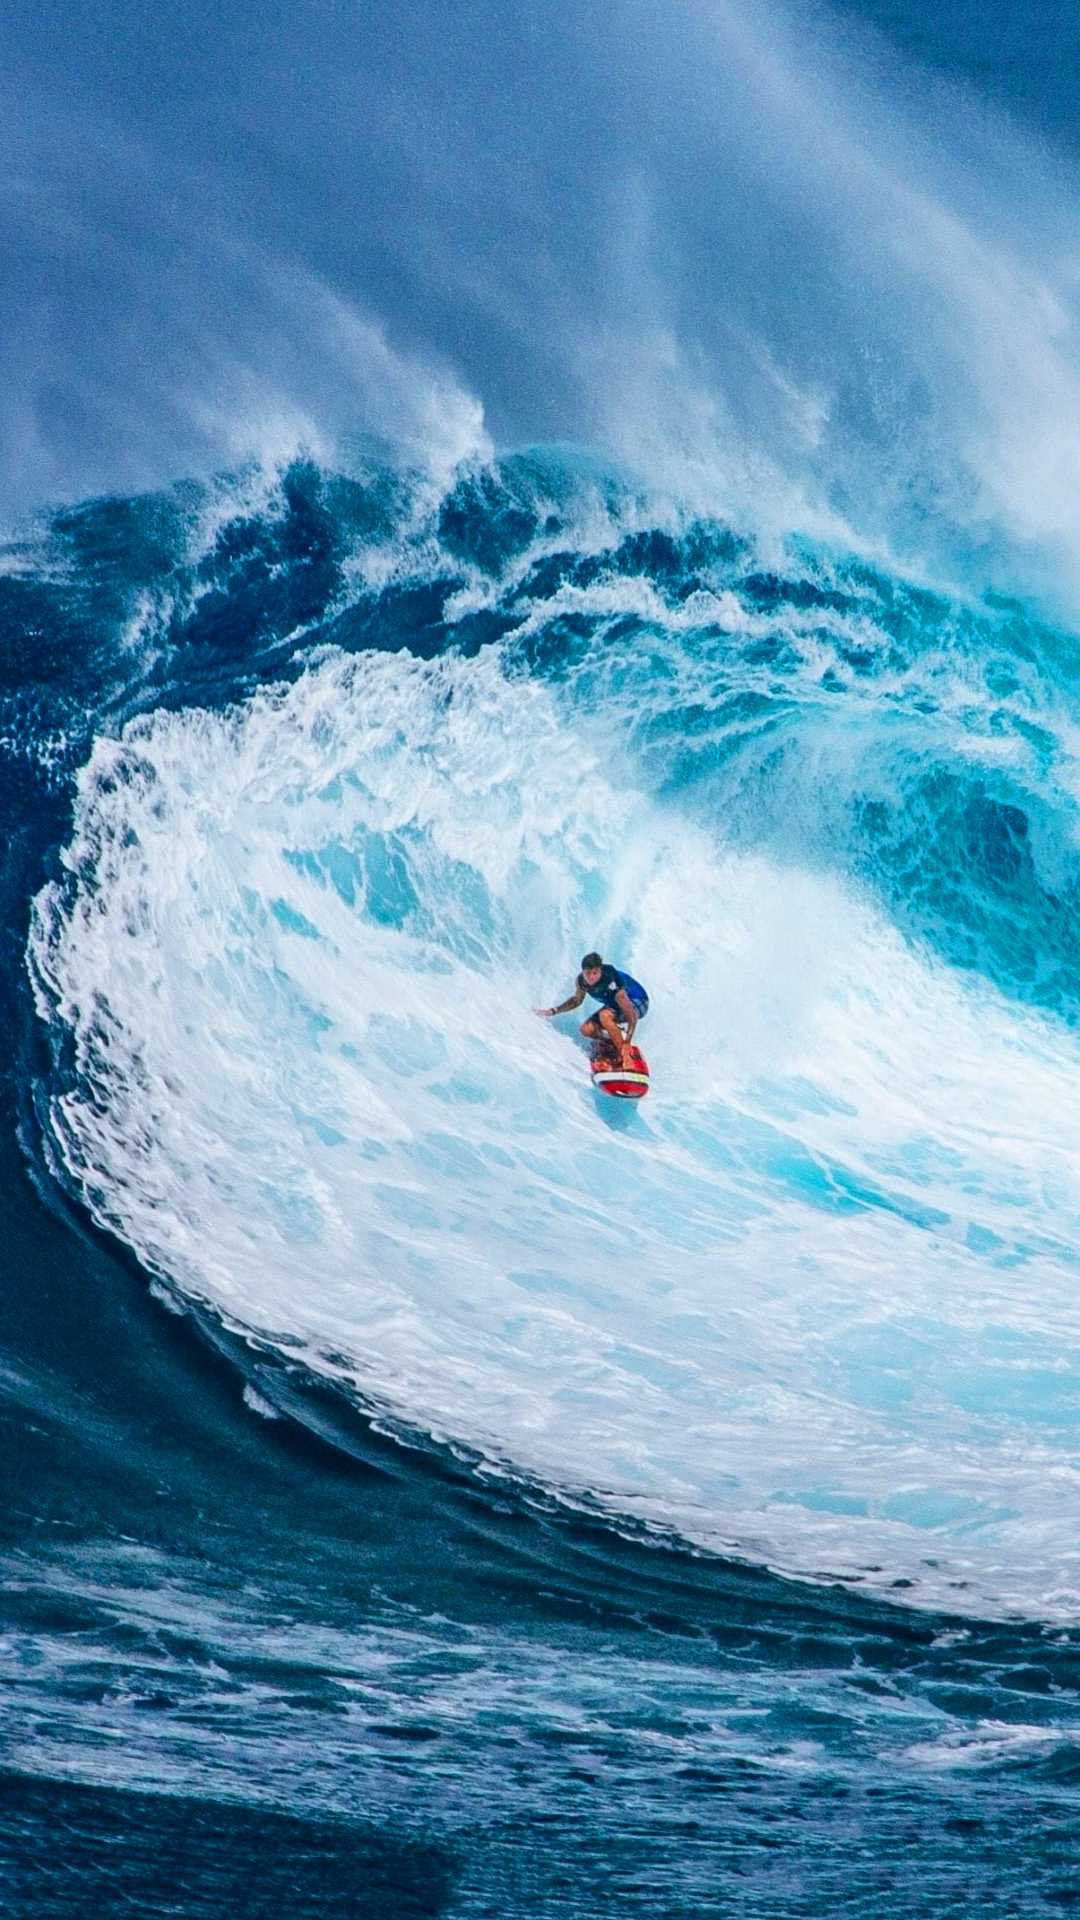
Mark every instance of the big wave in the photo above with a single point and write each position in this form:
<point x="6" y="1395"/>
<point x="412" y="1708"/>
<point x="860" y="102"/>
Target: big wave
<point x="816" y="1302"/>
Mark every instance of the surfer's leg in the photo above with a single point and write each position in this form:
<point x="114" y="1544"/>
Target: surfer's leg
<point x="591" y="1028"/>
<point x="612" y="1031"/>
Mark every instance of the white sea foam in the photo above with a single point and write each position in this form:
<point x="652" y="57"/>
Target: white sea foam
<point x="991" y="1743"/>
<point x="255" y="1401"/>
<point x="816" y="1301"/>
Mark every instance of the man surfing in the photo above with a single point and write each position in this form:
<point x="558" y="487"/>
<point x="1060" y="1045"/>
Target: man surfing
<point x="623" y="1002"/>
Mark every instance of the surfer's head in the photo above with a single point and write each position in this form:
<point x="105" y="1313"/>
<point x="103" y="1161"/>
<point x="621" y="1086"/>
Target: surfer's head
<point x="592" y="967"/>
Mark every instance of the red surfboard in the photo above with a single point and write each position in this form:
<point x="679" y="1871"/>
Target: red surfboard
<point x="629" y="1082"/>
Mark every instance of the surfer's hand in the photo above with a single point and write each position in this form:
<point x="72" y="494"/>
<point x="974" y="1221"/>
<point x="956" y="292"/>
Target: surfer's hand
<point x="546" y="1013"/>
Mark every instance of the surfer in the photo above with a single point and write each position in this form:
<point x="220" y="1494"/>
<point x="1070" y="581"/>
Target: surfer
<point x="623" y="1002"/>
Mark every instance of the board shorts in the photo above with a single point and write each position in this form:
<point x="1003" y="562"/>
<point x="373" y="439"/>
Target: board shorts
<point x="640" y="1006"/>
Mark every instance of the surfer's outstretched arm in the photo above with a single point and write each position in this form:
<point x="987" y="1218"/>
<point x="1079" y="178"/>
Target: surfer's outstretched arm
<point x="566" y="1006"/>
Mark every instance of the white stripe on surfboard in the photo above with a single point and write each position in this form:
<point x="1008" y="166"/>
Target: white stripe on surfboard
<point x="637" y="1079"/>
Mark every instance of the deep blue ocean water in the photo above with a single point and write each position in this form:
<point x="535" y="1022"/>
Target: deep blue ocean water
<point x="428" y="1488"/>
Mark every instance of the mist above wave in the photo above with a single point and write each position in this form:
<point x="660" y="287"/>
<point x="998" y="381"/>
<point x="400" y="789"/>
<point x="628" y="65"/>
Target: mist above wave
<point x="775" y="268"/>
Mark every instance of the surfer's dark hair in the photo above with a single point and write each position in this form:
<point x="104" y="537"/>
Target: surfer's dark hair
<point x="590" y="961"/>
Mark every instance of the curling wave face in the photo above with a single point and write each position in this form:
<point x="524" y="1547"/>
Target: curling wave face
<point x="816" y="1302"/>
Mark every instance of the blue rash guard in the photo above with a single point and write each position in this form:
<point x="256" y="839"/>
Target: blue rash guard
<point x="608" y="987"/>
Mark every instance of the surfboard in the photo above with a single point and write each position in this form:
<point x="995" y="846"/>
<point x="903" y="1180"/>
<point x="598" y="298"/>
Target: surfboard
<point x="624" y="1083"/>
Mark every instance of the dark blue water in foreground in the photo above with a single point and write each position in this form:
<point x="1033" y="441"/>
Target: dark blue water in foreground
<point x="264" y="1653"/>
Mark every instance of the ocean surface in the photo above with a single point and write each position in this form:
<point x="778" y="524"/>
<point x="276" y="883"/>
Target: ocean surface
<point x="429" y="1488"/>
